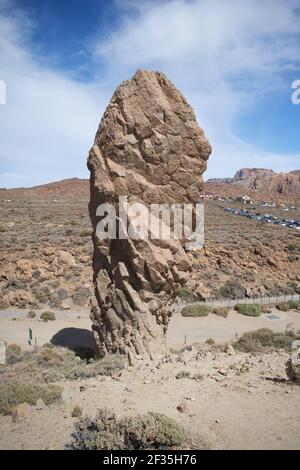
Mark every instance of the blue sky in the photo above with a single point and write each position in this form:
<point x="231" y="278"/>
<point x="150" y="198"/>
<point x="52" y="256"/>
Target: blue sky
<point x="61" y="60"/>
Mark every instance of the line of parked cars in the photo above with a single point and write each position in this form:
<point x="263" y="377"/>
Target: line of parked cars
<point x="270" y="219"/>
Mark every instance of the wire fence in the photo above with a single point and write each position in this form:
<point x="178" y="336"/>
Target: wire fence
<point x="245" y="300"/>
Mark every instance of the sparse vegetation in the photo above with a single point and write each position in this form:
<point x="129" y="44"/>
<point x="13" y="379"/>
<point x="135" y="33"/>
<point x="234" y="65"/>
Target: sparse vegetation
<point x="196" y="310"/>
<point x="13" y="392"/>
<point x="48" y="316"/>
<point x="51" y="364"/>
<point x="283" y="306"/>
<point x="265" y="339"/>
<point x="31" y="314"/>
<point x="210" y="341"/>
<point x="107" y="432"/>
<point x="221" y="311"/>
<point x="232" y="289"/>
<point x="187" y="294"/>
<point x="250" y="310"/>
<point x="294" y="304"/>
<point x="14" y="354"/>
<point x="76" y="412"/>
<point x="183" y="374"/>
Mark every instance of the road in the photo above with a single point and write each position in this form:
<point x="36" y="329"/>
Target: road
<point x="71" y="330"/>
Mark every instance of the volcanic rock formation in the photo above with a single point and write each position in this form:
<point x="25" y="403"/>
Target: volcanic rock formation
<point x="150" y="149"/>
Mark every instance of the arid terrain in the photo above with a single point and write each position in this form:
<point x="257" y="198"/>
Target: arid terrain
<point x="46" y="250"/>
<point x="233" y="399"/>
<point x="223" y="398"/>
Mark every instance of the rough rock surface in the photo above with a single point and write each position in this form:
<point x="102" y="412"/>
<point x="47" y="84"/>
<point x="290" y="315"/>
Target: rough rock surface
<point x="149" y="148"/>
<point x="293" y="366"/>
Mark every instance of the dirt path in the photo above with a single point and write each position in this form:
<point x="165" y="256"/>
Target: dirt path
<point x="71" y="330"/>
<point x="194" y="330"/>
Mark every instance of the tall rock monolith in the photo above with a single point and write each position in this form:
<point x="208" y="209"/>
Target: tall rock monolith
<point x="150" y="150"/>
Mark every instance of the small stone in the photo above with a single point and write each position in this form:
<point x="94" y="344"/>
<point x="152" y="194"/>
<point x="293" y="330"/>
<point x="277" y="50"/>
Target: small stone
<point x="40" y="405"/>
<point x="182" y="407"/>
<point x="65" y="305"/>
<point x="229" y="350"/>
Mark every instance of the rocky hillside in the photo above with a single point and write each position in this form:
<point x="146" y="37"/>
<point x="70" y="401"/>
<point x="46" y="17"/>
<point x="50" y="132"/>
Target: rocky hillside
<point x="264" y="180"/>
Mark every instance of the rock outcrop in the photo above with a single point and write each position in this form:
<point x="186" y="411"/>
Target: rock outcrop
<point x="265" y="181"/>
<point x="150" y="149"/>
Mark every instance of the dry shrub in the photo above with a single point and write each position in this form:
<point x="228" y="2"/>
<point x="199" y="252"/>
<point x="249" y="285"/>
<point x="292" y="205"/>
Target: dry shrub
<point x="107" y="432"/>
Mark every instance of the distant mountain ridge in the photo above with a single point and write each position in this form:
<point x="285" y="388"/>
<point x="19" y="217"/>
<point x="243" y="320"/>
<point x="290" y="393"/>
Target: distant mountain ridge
<point x="259" y="182"/>
<point x="264" y="180"/>
<point x="67" y="188"/>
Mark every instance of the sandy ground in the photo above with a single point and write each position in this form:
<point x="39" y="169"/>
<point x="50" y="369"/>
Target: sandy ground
<point x="195" y="330"/>
<point x="76" y="327"/>
<point x="243" y="401"/>
<point x="237" y="405"/>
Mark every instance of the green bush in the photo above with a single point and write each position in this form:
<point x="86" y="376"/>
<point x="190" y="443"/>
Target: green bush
<point x="196" y="310"/>
<point x="183" y="375"/>
<point x="76" y="412"/>
<point x="251" y="310"/>
<point x="13" y="393"/>
<point x="265" y="339"/>
<point x="232" y="289"/>
<point x="31" y="314"/>
<point x="294" y="304"/>
<point x="210" y="341"/>
<point x="107" y="432"/>
<point x="283" y="306"/>
<point x="221" y="311"/>
<point x="48" y="316"/>
<point x="14" y="354"/>
<point x="187" y="294"/>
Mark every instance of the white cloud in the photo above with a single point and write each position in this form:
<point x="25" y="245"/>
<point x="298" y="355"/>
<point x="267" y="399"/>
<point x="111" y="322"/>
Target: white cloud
<point x="208" y="48"/>
<point x="49" y="120"/>
<point x="222" y="55"/>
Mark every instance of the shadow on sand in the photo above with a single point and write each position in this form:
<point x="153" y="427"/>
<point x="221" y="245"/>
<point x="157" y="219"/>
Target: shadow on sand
<point x="75" y="339"/>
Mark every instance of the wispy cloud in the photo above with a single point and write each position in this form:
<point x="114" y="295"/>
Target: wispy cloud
<point x="224" y="56"/>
